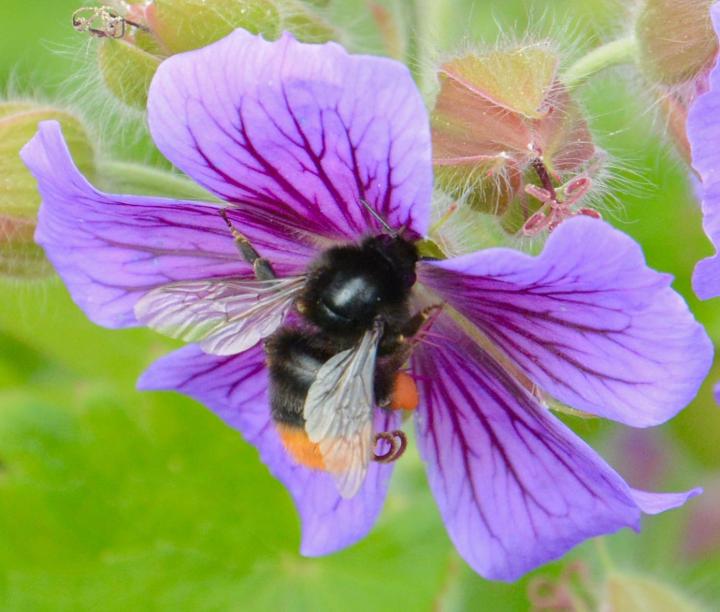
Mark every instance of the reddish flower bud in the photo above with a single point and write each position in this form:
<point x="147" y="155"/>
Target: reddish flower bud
<point x="497" y="114"/>
<point x="677" y="47"/>
<point x="676" y="40"/>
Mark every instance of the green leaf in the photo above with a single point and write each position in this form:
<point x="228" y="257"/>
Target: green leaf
<point x="115" y="499"/>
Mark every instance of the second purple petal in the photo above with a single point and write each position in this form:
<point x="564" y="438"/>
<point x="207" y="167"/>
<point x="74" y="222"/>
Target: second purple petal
<point x="587" y="320"/>
<point x="112" y="249"/>
<point x="515" y="487"/>
<point x="299" y="132"/>
<point x="703" y="130"/>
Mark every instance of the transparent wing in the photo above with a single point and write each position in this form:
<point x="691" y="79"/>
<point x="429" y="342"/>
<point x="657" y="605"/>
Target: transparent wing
<point x="224" y="316"/>
<point x="338" y="412"/>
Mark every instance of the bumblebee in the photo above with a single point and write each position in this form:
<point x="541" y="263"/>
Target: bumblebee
<point x="334" y="363"/>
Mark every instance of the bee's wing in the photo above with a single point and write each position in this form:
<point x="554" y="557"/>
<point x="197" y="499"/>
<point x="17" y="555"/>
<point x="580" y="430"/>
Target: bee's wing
<point x="224" y="316"/>
<point x="338" y="412"/>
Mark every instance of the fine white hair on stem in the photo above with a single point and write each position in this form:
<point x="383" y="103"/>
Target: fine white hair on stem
<point x="117" y="126"/>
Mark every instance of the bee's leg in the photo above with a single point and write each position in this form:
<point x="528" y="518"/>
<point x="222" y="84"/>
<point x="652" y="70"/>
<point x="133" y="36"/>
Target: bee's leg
<point x="419" y="320"/>
<point x="395" y="389"/>
<point x="396" y="440"/>
<point x="398" y="345"/>
<point x="261" y="266"/>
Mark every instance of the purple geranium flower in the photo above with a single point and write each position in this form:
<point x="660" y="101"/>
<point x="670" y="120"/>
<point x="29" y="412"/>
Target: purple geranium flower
<point x="294" y="137"/>
<point x="703" y="130"/>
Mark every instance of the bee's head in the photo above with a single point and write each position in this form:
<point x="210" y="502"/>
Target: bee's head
<point x="400" y="254"/>
<point x="349" y="286"/>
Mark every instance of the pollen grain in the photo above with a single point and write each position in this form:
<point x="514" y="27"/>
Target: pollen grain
<point x="300" y="447"/>
<point x="405" y="394"/>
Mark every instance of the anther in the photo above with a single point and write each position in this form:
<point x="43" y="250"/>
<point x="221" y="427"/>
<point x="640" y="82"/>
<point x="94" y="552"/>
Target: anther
<point x="398" y="443"/>
<point x="544" y="176"/>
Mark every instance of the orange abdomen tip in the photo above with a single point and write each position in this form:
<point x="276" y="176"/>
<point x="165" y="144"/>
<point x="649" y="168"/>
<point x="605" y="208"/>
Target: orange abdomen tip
<point x="300" y="447"/>
<point x="405" y="394"/>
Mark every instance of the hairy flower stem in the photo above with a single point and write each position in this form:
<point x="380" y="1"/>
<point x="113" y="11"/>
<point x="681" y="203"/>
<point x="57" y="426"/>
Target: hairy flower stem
<point x="621" y="51"/>
<point x="137" y="178"/>
<point x="420" y="16"/>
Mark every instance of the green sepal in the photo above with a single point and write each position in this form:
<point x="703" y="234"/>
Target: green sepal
<point x="127" y="71"/>
<point x="182" y="25"/>
<point x="304" y="23"/>
<point x="20" y="257"/>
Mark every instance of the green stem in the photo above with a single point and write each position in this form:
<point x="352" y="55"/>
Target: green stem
<point x="145" y="180"/>
<point x="419" y="18"/>
<point x="621" y="51"/>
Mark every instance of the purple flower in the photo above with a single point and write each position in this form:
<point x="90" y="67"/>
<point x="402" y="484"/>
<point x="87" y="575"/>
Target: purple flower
<point x="294" y="137"/>
<point x="703" y="130"/>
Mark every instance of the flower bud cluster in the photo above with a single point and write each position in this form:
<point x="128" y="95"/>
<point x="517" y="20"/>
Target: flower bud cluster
<point x="509" y="139"/>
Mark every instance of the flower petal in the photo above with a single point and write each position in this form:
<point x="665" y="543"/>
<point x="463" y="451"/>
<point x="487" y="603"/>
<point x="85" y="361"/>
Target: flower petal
<point x="236" y="389"/>
<point x="112" y="249"/>
<point x="300" y="133"/>
<point x="516" y="488"/>
<point x="587" y="321"/>
<point x="655" y="503"/>
<point x="703" y="131"/>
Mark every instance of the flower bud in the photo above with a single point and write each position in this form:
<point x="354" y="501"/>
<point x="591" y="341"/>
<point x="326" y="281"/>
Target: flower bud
<point x="304" y="23"/>
<point x="676" y="40"/>
<point x="127" y="71"/>
<point x="182" y="25"/>
<point x="499" y="115"/>
<point x="20" y="257"/>
<point x="136" y="37"/>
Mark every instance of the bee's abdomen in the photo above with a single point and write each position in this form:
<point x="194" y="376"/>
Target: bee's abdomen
<point x="299" y="446"/>
<point x="294" y="358"/>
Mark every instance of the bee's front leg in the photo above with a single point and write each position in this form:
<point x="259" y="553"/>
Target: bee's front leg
<point x="261" y="266"/>
<point x="418" y="321"/>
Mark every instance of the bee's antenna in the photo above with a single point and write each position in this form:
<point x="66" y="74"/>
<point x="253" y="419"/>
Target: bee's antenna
<point x="378" y="218"/>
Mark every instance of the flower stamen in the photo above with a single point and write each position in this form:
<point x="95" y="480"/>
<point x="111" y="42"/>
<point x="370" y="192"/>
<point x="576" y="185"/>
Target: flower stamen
<point x="557" y="204"/>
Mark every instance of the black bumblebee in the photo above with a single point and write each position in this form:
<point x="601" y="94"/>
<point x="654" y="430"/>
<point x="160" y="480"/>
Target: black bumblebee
<point x="339" y="360"/>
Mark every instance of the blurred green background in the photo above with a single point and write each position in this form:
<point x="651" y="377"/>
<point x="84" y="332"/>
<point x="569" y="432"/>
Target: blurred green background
<point x="111" y="499"/>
